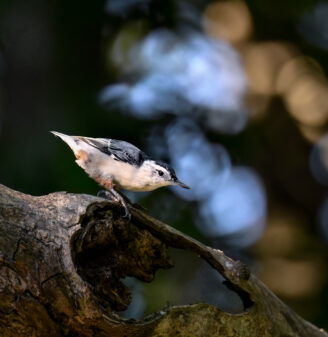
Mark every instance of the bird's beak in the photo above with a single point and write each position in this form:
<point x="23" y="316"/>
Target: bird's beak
<point x="181" y="184"/>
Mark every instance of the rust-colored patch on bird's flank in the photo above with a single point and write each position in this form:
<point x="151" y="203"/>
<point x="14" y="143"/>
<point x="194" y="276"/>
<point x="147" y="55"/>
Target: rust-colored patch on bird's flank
<point x="81" y="155"/>
<point x="105" y="182"/>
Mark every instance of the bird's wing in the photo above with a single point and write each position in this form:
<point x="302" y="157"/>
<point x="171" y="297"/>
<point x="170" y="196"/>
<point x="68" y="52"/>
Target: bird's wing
<point x="118" y="149"/>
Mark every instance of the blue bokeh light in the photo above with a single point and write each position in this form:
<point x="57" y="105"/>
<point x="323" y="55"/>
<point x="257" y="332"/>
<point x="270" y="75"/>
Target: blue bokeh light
<point x="232" y="199"/>
<point x="238" y="204"/>
<point x="180" y="72"/>
<point x="197" y="162"/>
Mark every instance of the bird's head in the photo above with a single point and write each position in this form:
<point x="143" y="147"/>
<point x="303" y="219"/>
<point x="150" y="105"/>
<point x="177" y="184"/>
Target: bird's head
<point x="161" y="174"/>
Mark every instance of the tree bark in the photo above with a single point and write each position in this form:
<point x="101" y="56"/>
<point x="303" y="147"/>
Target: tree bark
<point x="62" y="257"/>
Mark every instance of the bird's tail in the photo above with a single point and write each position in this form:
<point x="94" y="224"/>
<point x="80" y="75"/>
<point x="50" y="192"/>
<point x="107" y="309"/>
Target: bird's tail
<point x="71" y="141"/>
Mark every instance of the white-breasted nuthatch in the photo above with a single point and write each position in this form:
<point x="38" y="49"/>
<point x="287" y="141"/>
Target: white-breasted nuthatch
<point x="119" y="164"/>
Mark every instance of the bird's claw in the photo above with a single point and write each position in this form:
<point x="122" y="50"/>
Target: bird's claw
<point x="116" y="196"/>
<point x="106" y="195"/>
<point x="102" y="194"/>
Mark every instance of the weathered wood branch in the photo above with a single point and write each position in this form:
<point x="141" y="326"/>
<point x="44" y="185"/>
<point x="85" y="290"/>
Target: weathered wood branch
<point x="62" y="257"/>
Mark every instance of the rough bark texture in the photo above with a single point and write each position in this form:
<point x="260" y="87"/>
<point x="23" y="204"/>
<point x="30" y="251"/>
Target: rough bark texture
<point x="62" y="257"/>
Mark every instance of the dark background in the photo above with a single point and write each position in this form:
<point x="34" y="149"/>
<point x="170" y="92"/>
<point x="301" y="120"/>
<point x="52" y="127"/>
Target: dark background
<point x="233" y="94"/>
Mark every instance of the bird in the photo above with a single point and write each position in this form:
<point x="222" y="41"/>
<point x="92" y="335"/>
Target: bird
<point x="117" y="164"/>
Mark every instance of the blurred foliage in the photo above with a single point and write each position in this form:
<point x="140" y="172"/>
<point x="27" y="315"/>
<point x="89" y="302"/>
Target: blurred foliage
<point x="55" y="59"/>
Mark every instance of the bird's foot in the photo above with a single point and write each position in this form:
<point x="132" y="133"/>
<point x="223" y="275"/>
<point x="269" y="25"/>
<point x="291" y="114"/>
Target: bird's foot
<point x="106" y="195"/>
<point x="112" y="194"/>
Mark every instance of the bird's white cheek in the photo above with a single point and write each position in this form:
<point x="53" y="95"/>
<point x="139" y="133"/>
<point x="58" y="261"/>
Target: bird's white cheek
<point x="161" y="183"/>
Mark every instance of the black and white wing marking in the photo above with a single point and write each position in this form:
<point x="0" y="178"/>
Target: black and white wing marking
<point x="118" y="150"/>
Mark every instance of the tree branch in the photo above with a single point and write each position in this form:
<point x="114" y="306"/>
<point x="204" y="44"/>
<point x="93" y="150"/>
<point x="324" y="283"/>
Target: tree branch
<point x="62" y="257"/>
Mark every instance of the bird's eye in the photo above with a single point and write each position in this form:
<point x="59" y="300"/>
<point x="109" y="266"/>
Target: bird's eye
<point x="161" y="173"/>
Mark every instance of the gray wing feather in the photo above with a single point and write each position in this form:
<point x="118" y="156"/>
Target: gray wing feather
<point x="118" y="149"/>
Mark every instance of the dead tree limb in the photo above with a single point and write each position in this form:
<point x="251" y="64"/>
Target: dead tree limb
<point x="62" y="257"/>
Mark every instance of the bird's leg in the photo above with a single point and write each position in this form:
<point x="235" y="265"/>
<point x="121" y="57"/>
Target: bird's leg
<point x="127" y="200"/>
<point x="122" y="201"/>
<point x="113" y="194"/>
